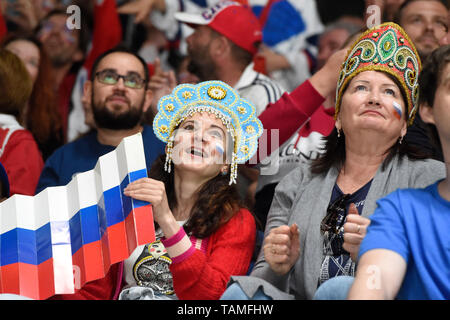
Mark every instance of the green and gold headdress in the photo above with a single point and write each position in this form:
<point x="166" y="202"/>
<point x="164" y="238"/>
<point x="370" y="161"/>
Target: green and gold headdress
<point x="385" y="48"/>
<point x="216" y="97"/>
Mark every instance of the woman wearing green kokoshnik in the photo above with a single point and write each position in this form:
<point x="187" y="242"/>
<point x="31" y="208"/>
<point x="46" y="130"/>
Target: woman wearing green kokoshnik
<point x="320" y="214"/>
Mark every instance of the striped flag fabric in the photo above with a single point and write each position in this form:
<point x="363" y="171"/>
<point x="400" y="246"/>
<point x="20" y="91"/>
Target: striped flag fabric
<point x="63" y="237"/>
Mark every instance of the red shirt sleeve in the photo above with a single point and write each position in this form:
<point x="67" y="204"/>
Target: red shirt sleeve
<point x="286" y="116"/>
<point x="205" y="276"/>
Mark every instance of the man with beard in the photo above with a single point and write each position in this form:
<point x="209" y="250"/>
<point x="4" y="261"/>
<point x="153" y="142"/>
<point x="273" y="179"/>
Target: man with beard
<point x="119" y="98"/>
<point x="222" y="46"/>
<point x="426" y="23"/>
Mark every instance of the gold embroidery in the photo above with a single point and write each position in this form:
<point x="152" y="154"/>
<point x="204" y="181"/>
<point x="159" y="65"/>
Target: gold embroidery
<point x="250" y="130"/>
<point x="217" y="93"/>
<point x="242" y="110"/>
<point x="186" y="95"/>
<point x="245" y="149"/>
<point x="164" y="129"/>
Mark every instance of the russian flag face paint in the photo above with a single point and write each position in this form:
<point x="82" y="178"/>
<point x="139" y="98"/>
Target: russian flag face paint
<point x="397" y="110"/>
<point x="219" y="149"/>
<point x="219" y="158"/>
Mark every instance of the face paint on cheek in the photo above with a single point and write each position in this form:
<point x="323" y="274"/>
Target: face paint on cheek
<point x="397" y="110"/>
<point x="219" y="149"/>
<point x="219" y="153"/>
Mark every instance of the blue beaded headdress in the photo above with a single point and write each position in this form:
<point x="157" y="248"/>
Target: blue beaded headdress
<point x="216" y="97"/>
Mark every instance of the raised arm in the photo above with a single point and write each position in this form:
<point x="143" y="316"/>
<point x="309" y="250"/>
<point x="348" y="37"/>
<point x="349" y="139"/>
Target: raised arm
<point x="107" y="31"/>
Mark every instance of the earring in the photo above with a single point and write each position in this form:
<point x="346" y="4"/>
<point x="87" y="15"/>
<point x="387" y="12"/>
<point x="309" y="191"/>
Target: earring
<point x="401" y="140"/>
<point x="168" y="155"/>
<point x="224" y="172"/>
<point x="339" y="133"/>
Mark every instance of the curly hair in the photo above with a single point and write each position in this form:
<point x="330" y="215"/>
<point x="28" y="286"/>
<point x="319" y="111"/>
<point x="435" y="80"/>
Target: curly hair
<point x="216" y="202"/>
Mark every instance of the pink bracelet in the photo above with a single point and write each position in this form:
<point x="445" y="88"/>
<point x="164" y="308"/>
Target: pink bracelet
<point x="174" y="239"/>
<point x="184" y="255"/>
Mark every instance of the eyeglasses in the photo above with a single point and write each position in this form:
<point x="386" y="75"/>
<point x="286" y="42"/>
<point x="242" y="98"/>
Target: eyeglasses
<point x="334" y="220"/>
<point x="111" y="77"/>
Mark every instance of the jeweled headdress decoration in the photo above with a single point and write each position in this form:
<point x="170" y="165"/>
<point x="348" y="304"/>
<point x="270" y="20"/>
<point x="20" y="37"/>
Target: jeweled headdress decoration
<point x="216" y="97"/>
<point x="385" y="48"/>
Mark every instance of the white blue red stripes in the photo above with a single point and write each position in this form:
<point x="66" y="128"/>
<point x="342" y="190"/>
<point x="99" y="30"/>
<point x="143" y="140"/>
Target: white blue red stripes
<point x="397" y="110"/>
<point x="56" y="241"/>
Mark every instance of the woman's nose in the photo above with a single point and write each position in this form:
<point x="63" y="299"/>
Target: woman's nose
<point x="199" y="135"/>
<point x="374" y="98"/>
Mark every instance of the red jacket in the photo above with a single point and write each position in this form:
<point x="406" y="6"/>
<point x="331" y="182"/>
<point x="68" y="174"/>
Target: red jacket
<point x="3" y="29"/>
<point x="20" y="156"/>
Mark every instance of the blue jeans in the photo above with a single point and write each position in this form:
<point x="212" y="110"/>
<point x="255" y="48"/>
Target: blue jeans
<point x="235" y="292"/>
<point x="336" y="288"/>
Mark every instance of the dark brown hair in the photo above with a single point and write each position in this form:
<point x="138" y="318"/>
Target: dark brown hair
<point x="15" y="84"/>
<point x="121" y="49"/>
<point x="216" y="202"/>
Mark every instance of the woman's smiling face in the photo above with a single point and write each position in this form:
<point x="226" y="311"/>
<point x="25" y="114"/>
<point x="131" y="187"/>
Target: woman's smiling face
<point x="200" y="144"/>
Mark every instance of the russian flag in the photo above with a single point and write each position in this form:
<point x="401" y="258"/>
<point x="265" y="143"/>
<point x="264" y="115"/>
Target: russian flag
<point x="25" y="249"/>
<point x="55" y="242"/>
